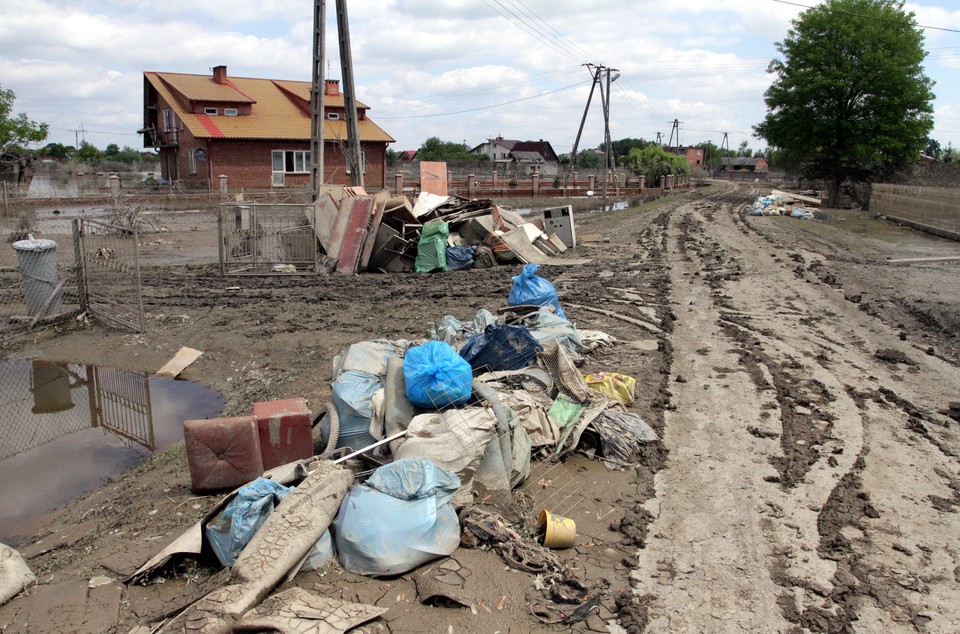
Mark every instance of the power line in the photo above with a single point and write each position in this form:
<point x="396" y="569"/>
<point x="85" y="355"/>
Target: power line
<point x="532" y="30"/>
<point x="485" y="89"/>
<point x="869" y="17"/>
<point x="573" y="45"/>
<point x="496" y="105"/>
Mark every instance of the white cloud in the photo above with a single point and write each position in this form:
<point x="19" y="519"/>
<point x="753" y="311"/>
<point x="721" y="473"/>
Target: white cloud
<point x="699" y="61"/>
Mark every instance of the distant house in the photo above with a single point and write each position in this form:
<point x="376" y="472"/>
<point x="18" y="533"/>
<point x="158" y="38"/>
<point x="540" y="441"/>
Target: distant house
<point x="525" y="157"/>
<point x="255" y="131"/>
<point x="497" y="150"/>
<point x="744" y="164"/>
<point x="695" y="156"/>
<point x="408" y="155"/>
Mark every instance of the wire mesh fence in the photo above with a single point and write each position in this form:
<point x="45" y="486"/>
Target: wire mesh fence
<point x="38" y="280"/>
<point x="60" y="399"/>
<point x="110" y="260"/>
<point x="258" y="238"/>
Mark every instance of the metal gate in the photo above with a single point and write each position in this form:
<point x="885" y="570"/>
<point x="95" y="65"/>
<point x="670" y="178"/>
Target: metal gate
<point x="267" y="238"/>
<point x="108" y="261"/>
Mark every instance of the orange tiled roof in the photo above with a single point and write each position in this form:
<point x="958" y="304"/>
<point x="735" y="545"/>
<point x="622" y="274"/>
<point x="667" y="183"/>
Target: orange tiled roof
<point x="279" y="109"/>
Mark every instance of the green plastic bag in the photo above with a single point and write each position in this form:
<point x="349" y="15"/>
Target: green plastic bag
<point x="564" y="413"/>
<point x="432" y="248"/>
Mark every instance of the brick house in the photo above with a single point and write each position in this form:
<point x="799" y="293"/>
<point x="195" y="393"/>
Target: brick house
<point x="695" y="156"/>
<point x="255" y="131"/>
<point x="744" y="164"/>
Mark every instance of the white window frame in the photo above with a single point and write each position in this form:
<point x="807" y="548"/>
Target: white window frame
<point x="211" y="111"/>
<point x="192" y="161"/>
<point x="363" y="164"/>
<point x="230" y="112"/>
<point x="333" y="116"/>
<point x="167" y="120"/>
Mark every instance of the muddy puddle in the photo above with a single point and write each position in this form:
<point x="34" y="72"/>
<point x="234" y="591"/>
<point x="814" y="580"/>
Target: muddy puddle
<point x="66" y="428"/>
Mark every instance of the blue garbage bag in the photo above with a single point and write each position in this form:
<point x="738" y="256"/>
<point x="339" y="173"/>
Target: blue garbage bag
<point x="352" y="395"/>
<point x="401" y="518"/>
<point x="236" y="525"/>
<point x="242" y="517"/>
<point x="460" y="258"/>
<point x="501" y="348"/>
<point x="436" y="376"/>
<point x="530" y="289"/>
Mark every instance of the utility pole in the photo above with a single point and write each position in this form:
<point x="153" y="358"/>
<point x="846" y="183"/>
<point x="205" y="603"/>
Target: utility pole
<point x="354" y="157"/>
<point x="725" y="143"/>
<point x="660" y="139"/>
<point x="317" y="90"/>
<point x="583" y="119"/>
<point x="675" y="128"/>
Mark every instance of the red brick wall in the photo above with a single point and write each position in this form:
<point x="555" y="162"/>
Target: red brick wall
<point x="249" y="163"/>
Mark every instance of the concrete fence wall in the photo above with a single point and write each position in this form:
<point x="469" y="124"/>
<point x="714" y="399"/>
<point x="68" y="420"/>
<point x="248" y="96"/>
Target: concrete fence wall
<point x="933" y="209"/>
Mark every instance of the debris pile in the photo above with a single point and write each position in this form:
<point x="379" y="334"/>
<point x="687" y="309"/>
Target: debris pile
<point x="387" y="233"/>
<point x="419" y="437"/>
<point x="780" y="203"/>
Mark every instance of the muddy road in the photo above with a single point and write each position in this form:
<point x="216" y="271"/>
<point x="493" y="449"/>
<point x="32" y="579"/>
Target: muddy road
<point x="807" y="478"/>
<point x="811" y="481"/>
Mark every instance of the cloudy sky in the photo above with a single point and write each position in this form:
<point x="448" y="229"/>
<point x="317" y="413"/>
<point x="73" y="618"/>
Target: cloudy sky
<point x="462" y="70"/>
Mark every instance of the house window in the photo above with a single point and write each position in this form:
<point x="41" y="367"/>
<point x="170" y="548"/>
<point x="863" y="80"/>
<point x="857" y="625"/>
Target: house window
<point x="333" y="116"/>
<point x="289" y="162"/>
<point x="230" y="112"/>
<point x="192" y="161"/>
<point x="213" y="111"/>
<point x="167" y="120"/>
<point x="363" y="164"/>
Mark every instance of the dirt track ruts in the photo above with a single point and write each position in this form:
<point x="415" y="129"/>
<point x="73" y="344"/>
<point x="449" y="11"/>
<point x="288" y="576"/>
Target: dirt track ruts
<point x="801" y="489"/>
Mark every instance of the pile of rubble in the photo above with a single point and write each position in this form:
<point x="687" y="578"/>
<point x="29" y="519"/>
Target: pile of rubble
<point x="387" y="233"/>
<point x="398" y="469"/>
<point x="780" y="203"/>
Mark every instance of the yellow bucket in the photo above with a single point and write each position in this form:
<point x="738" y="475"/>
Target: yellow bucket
<point x="556" y="531"/>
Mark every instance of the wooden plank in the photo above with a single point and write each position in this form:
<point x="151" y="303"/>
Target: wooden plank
<point x="184" y="357"/>
<point x="356" y="231"/>
<point x="325" y="212"/>
<point x="371" y="234"/>
<point x="340" y="227"/>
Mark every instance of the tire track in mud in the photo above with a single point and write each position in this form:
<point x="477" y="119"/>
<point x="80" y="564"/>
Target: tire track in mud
<point x="706" y="562"/>
<point x="884" y="525"/>
<point x="849" y="538"/>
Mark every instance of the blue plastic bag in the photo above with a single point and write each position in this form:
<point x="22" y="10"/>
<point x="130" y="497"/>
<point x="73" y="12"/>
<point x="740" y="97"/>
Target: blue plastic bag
<point x="501" y="348"/>
<point x="242" y="518"/>
<point x="460" y="258"/>
<point x="352" y="395"/>
<point x="533" y="290"/>
<point x="436" y="376"/>
<point x="400" y="519"/>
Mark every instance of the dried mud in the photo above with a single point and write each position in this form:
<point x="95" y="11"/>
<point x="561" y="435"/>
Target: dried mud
<point x="779" y="499"/>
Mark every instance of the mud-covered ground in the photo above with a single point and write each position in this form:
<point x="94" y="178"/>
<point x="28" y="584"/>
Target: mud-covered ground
<point x="807" y="479"/>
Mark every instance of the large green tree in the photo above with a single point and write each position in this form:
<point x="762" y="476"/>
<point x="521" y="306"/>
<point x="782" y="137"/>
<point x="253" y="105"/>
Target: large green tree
<point x="654" y="162"/>
<point x="17" y="132"/>
<point x="434" y="149"/>
<point x="849" y="99"/>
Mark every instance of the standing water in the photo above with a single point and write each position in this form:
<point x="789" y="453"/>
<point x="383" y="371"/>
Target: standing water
<point x="66" y="428"/>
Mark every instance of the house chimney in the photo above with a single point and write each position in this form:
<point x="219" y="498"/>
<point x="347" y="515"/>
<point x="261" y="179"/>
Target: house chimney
<point x="219" y="74"/>
<point x="331" y="87"/>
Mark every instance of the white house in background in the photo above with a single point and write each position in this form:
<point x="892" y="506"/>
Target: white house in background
<point x="497" y="150"/>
